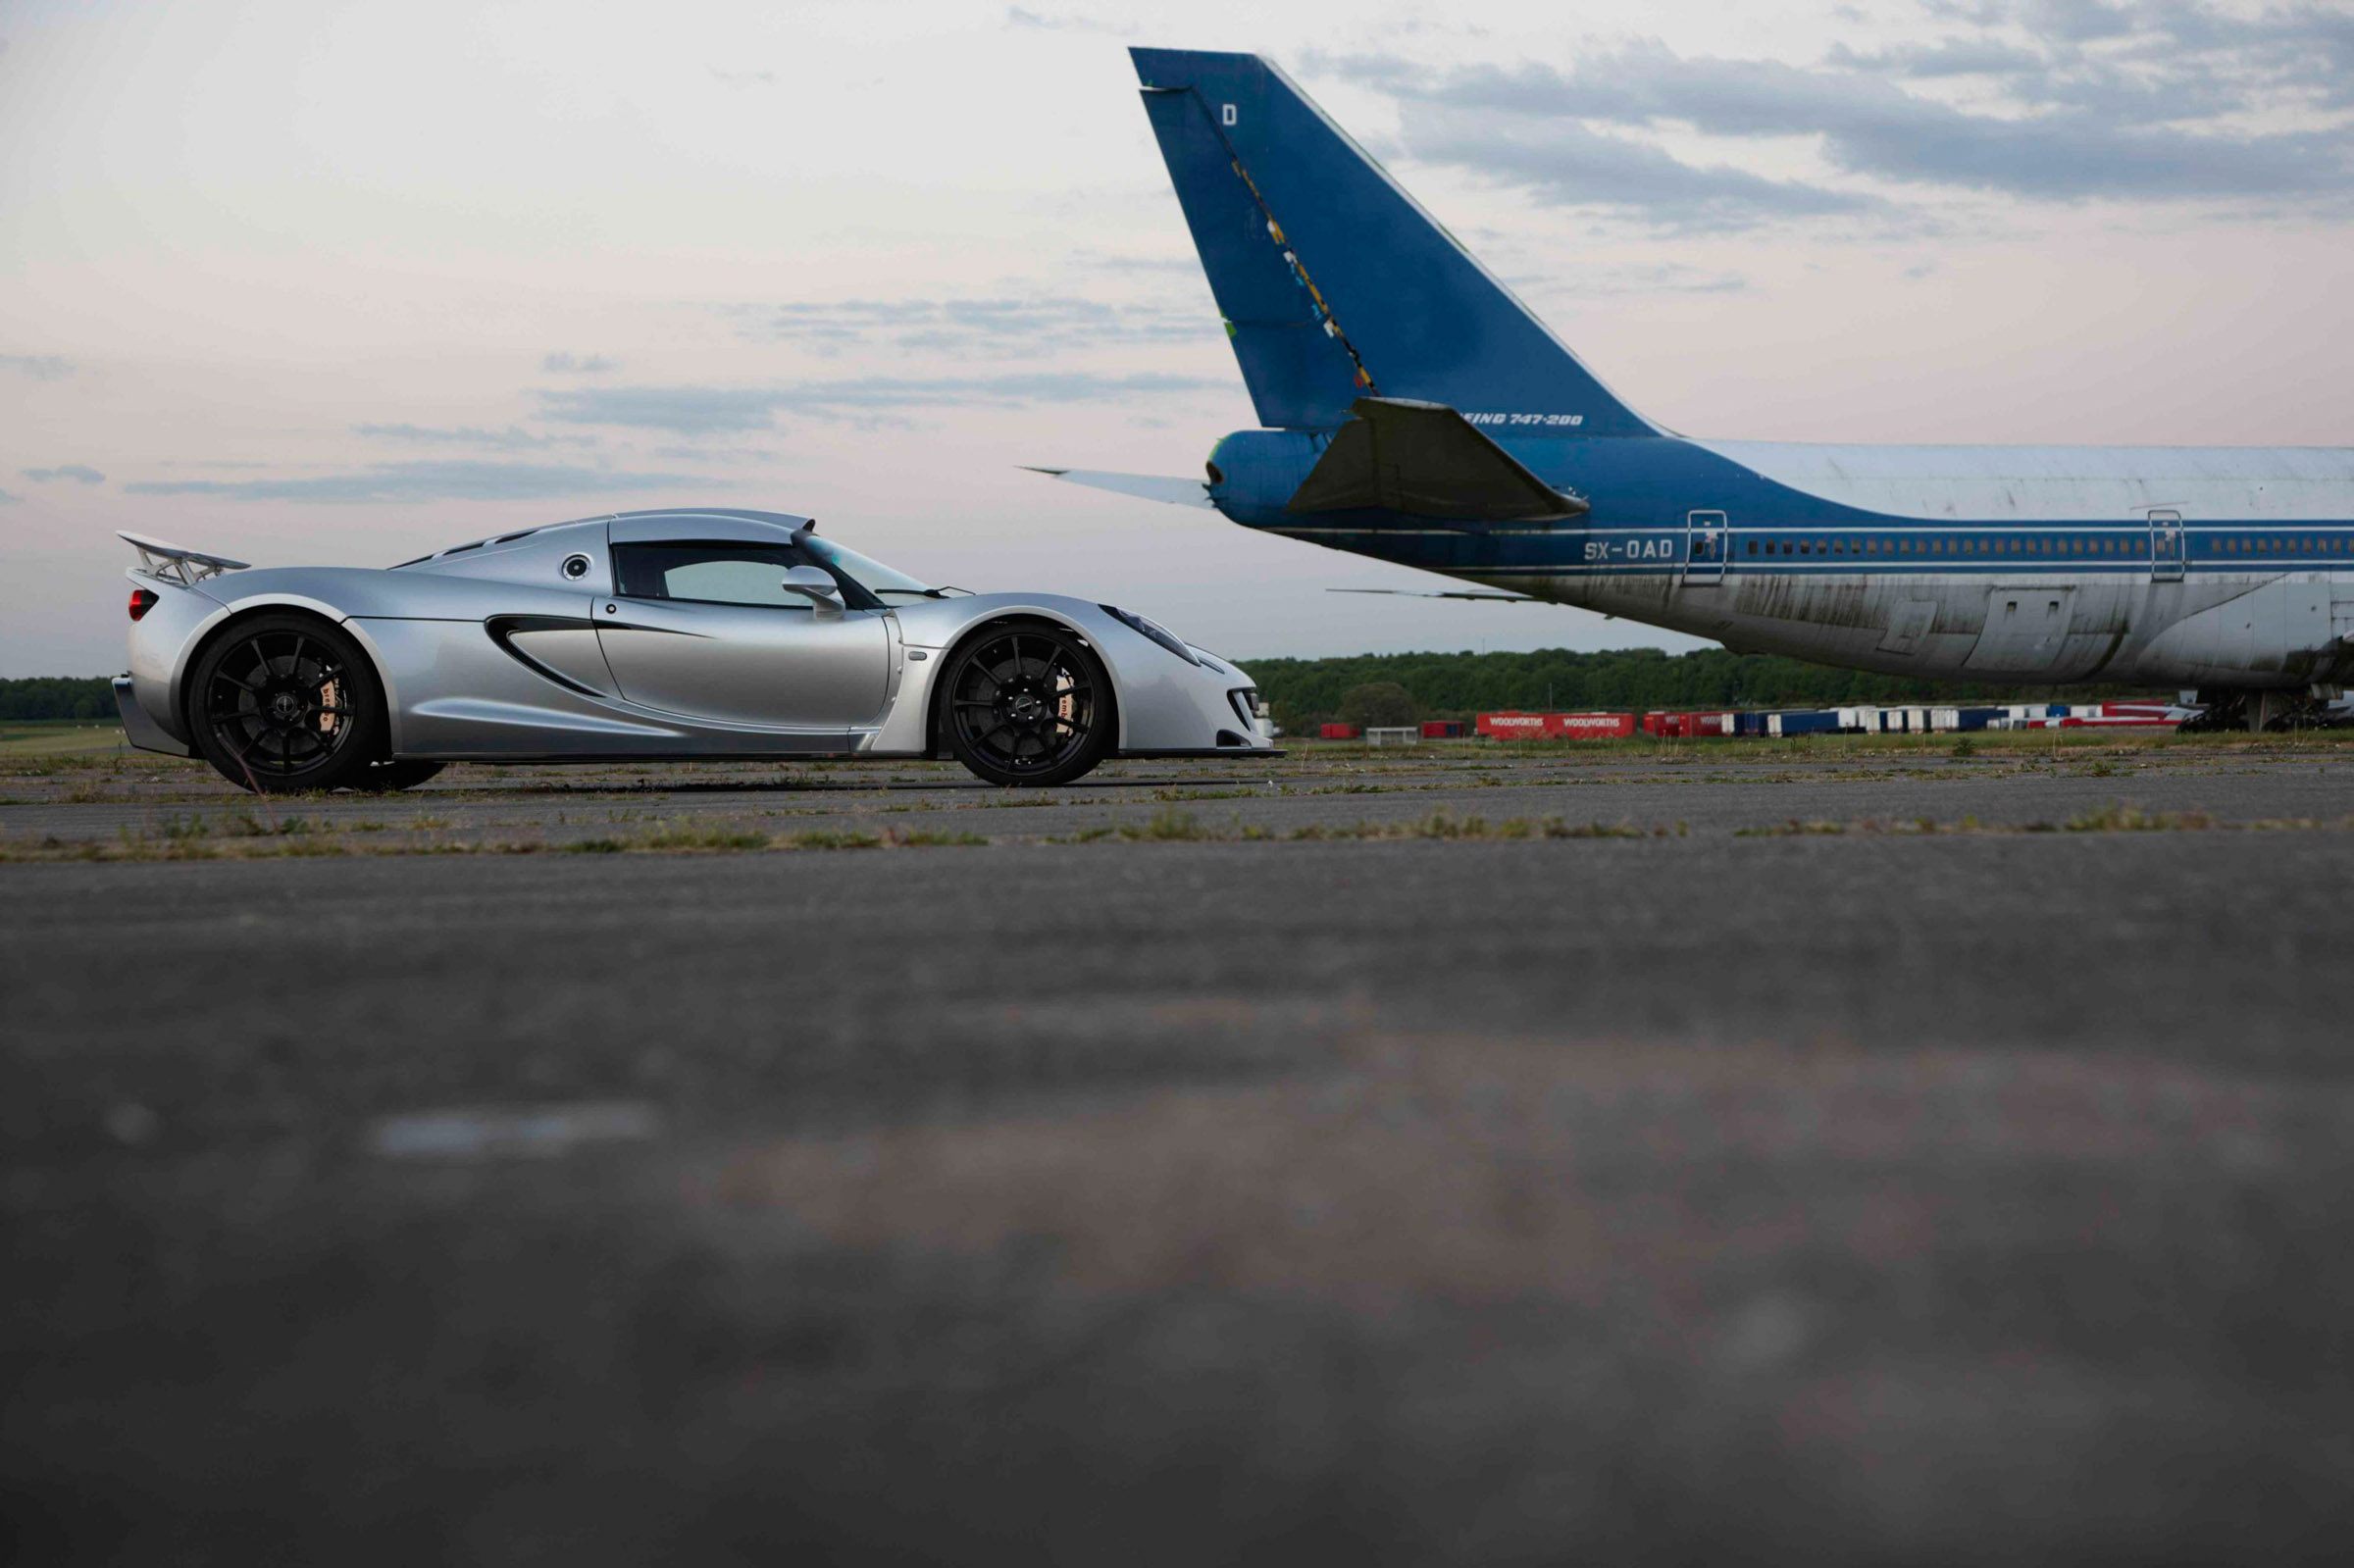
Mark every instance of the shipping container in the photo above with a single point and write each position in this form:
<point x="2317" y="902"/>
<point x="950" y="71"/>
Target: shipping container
<point x="1814" y="722"/>
<point x="1395" y="734"/>
<point x="1442" y="729"/>
<point x="1338" y="732"/>
<point x="1557" y="726"/>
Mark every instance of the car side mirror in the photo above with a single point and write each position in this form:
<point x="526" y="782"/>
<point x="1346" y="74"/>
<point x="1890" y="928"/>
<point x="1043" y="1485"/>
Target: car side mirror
<point x="816" y="584"/>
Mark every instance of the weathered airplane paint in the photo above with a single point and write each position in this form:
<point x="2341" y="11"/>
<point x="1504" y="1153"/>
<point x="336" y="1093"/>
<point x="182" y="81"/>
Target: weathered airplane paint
<point x="2229" y="569"/>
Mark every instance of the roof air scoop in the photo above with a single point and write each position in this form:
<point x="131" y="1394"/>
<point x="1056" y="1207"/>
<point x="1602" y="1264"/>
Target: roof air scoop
<point x="1427" y="461"/>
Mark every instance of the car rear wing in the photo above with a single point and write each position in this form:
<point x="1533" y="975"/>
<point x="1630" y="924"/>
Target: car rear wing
<point x="171" y="564"/>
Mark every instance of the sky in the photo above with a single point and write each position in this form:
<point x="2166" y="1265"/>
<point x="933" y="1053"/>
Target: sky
<point x="339" y="284"/>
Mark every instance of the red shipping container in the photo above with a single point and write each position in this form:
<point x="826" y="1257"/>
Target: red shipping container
<point x="1555" y="726"/>
<point x="1591" y="726"/>
<point x="1442" y="729"/>
<point x="1339" y="732"/>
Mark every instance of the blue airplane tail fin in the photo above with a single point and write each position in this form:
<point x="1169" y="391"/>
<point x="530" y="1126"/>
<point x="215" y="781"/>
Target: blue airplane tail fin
<point x="1334" y="284"/>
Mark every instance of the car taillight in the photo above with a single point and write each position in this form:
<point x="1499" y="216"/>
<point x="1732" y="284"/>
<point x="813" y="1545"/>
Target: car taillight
<point x="143" y="601"/>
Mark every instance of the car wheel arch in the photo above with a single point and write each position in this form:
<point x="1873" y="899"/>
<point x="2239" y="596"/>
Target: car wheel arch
<point x="936" y="736"/>
<point x="227" y="625"/>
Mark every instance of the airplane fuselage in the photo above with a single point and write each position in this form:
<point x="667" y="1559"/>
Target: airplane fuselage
<point x="2202" y="567"/>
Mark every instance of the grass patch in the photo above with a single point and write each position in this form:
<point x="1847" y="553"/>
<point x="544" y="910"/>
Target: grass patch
<point x="934" y="838"/>
<point x="2114" y="818"/>
<point x="1168" y="825"/>
<point x="696" y="835"/>
<point x="830" y="839"/>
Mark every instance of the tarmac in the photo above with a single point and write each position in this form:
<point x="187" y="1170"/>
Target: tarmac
<point x="1814" y="1155"/>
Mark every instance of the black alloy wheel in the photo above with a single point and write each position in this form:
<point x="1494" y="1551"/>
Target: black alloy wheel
<point x="283" y="703"/>
<point x="1027" y="705"/>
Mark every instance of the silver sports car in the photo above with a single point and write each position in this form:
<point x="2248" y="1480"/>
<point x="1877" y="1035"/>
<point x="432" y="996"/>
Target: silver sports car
<point x="692" y="633"/>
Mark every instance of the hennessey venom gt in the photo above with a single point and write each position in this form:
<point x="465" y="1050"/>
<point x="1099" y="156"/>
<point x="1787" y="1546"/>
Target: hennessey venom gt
<point x="690" y="633"/>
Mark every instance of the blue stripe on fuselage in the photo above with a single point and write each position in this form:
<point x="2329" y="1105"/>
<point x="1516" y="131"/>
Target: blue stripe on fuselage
<point x="1643" y="492"/>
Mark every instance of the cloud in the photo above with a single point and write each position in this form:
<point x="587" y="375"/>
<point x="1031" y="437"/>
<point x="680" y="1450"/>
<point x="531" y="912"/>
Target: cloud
<point x="455" y="479"/>
<point x="1017" y="328"/>
<point x="40" y="367"/>
<point x="79" y="473"/>
<point x="562" y="362"/>
<point x="1021" y="20"/>
<point x="723" y="410"/>
<point x="2169" y="101"/>
<point x="9" y="498"/>
<point x="744" y="79"/>
<point x="513" y="439"/>
<point x="1569" y="164"/>
<point x="1670" y="278"/>
<point x="1948" y="57"/>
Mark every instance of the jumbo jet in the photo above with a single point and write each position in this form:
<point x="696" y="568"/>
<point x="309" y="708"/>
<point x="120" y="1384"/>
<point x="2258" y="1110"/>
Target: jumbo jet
<point x="1416" y="411"/>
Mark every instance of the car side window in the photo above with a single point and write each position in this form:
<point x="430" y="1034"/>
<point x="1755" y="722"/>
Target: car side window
<point x="722" y="571"/>
<point x="709" y="574"/>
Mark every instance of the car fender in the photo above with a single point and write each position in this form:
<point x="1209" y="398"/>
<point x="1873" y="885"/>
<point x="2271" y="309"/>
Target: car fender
<point x="932" y="630"/>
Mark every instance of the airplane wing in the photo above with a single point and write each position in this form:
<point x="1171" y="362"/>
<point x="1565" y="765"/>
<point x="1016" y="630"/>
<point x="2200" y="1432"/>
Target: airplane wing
<point x="1447" y="594"/>
<point x="1146" y="487"/>
<point x="1427" y="460"/>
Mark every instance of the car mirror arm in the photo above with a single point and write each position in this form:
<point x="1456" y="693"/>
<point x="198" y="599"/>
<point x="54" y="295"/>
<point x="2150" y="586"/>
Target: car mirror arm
<point x="817" y="585"/>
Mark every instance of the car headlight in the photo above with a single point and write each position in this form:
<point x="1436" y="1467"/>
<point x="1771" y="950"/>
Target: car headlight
<point x="1143" y="628"/>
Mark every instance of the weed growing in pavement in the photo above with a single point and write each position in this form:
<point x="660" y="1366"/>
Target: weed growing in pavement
<point x="830" y="839"/>
<point x="1168" y="826"/>
<point x="2114" y="818"/>
<point x="699" y="835"/>
<point x="927" y="837"/>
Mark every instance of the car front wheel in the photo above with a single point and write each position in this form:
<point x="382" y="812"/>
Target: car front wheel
<point x="1027" y="705"/>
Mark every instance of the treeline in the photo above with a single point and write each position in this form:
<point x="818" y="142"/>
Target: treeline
<point x="1459" y="685"/>
<point x="58" y="696"/>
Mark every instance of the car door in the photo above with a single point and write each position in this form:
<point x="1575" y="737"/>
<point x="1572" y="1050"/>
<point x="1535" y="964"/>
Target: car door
<point x="703" y="628"/>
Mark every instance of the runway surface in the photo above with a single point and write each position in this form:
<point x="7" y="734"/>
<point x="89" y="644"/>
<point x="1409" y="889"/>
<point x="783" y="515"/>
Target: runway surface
<point x="1842" y="1154"/>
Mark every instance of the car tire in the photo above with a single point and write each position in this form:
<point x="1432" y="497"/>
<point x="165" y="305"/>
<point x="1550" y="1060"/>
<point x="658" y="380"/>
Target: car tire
<point x="284" y="703"/>
<point x="1028" y="704"/>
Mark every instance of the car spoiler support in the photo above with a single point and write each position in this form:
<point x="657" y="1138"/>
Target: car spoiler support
<point x="171" y="564"/>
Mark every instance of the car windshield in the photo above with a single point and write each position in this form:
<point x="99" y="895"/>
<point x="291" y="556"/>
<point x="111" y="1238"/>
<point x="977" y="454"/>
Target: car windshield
<point x="873" y="575"/>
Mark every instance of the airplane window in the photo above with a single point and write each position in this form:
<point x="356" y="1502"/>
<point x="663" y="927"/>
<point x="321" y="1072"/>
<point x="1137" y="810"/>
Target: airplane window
<point x="1804" y="547"/>
<point x="1752" y="546"/>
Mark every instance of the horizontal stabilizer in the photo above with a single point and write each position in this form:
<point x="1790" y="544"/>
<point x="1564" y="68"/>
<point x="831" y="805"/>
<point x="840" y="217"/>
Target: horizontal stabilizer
<point x="1144" y="486"/>
<point x="1446" y="593"/>
<point x="186" y="567"/>
<point x="1426" y="460"/>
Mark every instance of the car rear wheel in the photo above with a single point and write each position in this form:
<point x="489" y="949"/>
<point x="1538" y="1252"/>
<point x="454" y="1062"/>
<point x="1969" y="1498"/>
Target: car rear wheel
<point x="282" y="703"/>
<point x="1027" y="705"/>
